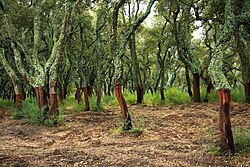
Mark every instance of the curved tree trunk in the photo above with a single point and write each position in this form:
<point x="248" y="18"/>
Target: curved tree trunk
<point x="123" y="106"/>
<point x="227" y="142"/>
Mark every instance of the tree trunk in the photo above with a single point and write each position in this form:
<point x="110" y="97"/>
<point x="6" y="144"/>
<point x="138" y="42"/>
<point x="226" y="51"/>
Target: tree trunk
<point x="61" y="93"/>
<point x="41" y="97"/>
<point x="139" y="93"/>
<point x="226" y="136"/>
<point x="90" y="90"/>
<point x="99" y="97"/>
<point x="123" y="106"/>
<point x="247" y="92"/>
<point x="18" y="101"/>
<point x="209" y="87"/>
<point x="86" y="99"/>
<point x="109" y="90"/>
<point x="196" y="87"/>
<point x="188" y="83"/>
<point x="53" y="110"/>
<point x="78" y="95"/>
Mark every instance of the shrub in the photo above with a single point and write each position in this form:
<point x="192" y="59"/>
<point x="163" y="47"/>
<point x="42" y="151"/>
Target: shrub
<point x="6" y="104"/>
<point x="33" y="115"/>
<point x="176" y="96"/>
<point x="242" y="141"/>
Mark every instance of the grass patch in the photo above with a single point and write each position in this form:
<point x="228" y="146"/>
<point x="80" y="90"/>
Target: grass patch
<point x="33" y="115"/>
<point x="242" y="141"/>
<point x="6" y="104"/>
<point x="137" y="127"/>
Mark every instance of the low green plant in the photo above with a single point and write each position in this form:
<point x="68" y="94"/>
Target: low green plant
<point x="215" y="151"/>
<point x="70" y="104"/>
<point x="152" y="99"/>
<point x="6" y="104"/>
<point x="137" y="127"/>
<point x="176" y="96"/>
<point x="242" y="141"/>
<point x="238" y="95"/>
<point x="33" y="115"/>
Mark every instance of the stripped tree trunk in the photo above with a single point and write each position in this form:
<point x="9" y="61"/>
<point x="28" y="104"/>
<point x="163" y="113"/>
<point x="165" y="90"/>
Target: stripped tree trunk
<point x="53" y="109"/>
<point x="196" y="88"/>
<point x="41" y="97"/>
<point x="226" y="136"/>
<point x="123" y="106"/>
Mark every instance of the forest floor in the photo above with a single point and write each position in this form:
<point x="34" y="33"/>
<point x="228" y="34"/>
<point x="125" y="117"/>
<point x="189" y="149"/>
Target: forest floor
<point x="178" y="135"/>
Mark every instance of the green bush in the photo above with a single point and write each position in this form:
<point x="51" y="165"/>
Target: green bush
<point x="176" y="96"/>
<point x="238" y="95"/>
<point x="242" y="141"/>
<point x="33" y="115"/>
<point x="6" y="104"/>
<point x="71" y="104"/>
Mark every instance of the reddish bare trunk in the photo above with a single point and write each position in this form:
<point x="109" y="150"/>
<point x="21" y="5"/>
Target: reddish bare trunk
<point x="90" y="91"/>
<point x="86" y="99"/>
<point x="78" y="95"/>
<point x="196" y="87"/>
<point x="53" y="104"/>
<point x="139" y="93"/>
<point x="247" y="92"/>
<point x="41" y="97"/>
<point x="18" y="101"/>
<point x="123" y="106"/>
<point x="99" y="97"/>
<point x="226" y="136"/>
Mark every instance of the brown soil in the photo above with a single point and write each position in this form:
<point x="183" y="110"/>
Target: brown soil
<point x="173" y="136"/>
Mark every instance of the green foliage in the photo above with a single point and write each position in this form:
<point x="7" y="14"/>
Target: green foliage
<point x="130" y="97"/>
<point x="176" y="96"/>
<point x="32" y="115"/>
<point x="109" y="100"/>
<point x="71" y="104"/>
<point x="238" y="95"/>
<point x="137" y="128"/>
<point x="242" y="141"/>
<point x="6" y="104"/>
<point x="152" y="99"/>
<point x="215" y="151"/>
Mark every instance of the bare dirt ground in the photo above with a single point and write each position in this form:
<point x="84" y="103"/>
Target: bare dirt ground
<point x="173" y="136"/>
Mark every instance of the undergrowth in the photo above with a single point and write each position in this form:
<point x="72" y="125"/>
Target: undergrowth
<point x="241" y="141"/>
<point x="137" y="127"/>
<point x="33" y="115"/>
